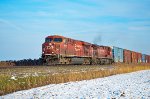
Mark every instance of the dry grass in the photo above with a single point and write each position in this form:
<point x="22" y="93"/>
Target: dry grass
<point x="15" y="79"/>
<point x="4" y="64"/>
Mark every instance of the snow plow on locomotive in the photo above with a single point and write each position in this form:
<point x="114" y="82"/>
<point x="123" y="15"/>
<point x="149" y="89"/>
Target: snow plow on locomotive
<point x="61" y="50"/>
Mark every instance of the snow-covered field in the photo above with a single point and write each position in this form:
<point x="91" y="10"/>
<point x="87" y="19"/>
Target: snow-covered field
<point x="134" y="85"/>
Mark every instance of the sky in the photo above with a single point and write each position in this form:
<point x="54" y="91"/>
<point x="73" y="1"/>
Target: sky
<point x="24" y="24"/>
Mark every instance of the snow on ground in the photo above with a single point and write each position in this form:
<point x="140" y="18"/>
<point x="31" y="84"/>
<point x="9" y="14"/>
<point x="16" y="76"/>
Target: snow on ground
<point x="134" y="85"/>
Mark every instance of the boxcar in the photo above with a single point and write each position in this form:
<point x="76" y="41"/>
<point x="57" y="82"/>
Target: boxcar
<point x="139" y="57"/>
<point x="134" y="57"/>
<point x="143" y="58"/>
<point x="127" y="56"/>
<point x="146" y="58"/>
<point x="117" y="54"/>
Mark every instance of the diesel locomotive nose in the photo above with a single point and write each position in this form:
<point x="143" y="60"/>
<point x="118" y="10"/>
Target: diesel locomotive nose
<point x="48" y="48"/>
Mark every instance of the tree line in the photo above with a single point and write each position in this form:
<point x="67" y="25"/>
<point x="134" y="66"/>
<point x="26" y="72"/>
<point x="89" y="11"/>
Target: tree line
<point x="23" y="62"/>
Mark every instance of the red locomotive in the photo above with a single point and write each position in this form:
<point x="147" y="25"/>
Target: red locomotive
<point x="61" y="50"/>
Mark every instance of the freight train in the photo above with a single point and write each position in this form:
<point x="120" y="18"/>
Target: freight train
<point x="62" y="50"/>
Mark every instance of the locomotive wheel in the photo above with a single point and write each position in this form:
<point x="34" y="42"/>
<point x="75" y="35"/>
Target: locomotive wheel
<point x="65" y="60"/>
<point x="68" y="61"/>
<point x="94" y="61"/>
<point x="86" y="61"/>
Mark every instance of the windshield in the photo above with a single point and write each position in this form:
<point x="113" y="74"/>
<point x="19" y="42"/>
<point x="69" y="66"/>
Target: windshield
<point x="57" y="39"/>
<point x="48" y="39"/>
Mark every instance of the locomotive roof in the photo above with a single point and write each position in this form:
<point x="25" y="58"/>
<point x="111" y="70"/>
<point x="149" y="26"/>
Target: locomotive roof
<point x="87" y="43"/>
<point x="55" y="35"/>
<point x="67" y="38"/>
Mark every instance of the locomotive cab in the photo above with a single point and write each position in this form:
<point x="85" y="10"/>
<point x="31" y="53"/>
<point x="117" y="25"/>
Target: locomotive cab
<point x="51" y="48"/>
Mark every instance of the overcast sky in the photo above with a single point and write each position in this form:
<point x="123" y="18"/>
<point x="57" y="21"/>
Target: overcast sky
<point x="25" y="23"/>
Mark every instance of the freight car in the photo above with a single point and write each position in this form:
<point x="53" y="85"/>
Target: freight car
<point x="126" y="56"/>
<point x="117" y="54"/>
<point x="62" y="50"/>
<point x="143" y="58"/>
